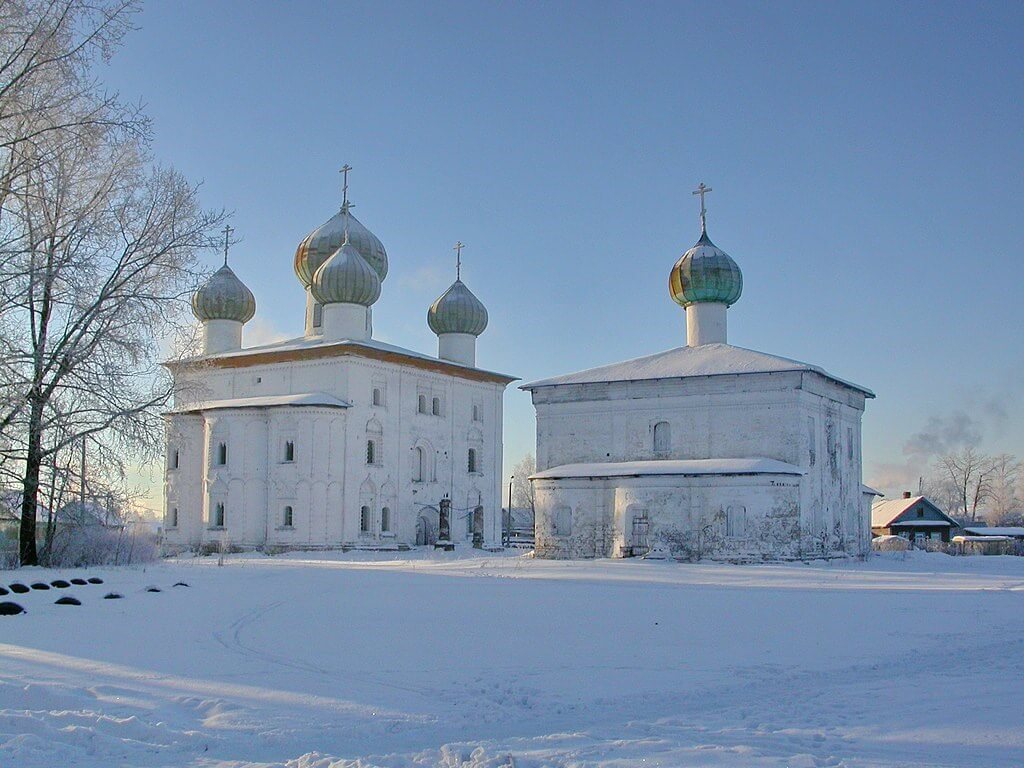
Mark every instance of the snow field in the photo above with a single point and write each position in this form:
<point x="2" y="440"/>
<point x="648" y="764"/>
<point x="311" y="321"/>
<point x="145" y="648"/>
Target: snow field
<point x="329" y="660"/>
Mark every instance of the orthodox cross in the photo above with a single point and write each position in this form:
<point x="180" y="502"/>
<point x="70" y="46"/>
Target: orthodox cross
<point x="228" y="229"/>
<point x="702" y="190"/>
<point x="458" y="259"/>
<point x="345" y="204"/>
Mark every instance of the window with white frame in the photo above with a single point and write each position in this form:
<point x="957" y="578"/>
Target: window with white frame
<point x="472" y="464"/>
<point x="218" y="515"/>
<point x="385" y="520"/>
<point x="377" y="398"/>
<point x="364" y="519"/>
<point x="477" y="412"/>
<point x="435" y="406"/>
<point x="421" y="404"/>
<point x="372" y="453"/>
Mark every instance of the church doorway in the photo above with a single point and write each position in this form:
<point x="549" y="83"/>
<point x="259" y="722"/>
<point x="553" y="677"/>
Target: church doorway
<point x="478" y="527"/>
<point x="638" y="535"/>
<point x="426" y="533"/>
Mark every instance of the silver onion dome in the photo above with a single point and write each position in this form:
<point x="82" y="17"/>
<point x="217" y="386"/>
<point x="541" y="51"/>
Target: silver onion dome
<point x="224" y="297"/>
<point x="345" y="278"/>
<point x="322" y="242"/>
<point x="457" y="310"/>
<point x="705" y="273"/>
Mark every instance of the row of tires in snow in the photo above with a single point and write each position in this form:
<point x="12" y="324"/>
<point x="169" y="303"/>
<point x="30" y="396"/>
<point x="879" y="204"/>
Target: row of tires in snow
<point x="8" y="608"/>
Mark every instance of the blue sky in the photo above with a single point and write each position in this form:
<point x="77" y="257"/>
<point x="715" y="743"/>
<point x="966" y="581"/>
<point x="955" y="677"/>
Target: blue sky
<point x="865" y="159"/>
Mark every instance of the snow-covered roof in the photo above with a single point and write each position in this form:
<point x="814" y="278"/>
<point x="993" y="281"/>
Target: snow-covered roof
<point x="317" y="343"/>
<point x="306" y="399"/>
<point x="1015" y="531"/>
<point x="868" y="490"/>
<point x="751" y="466"/>
<point x="685" y="362"/>
<point x="884" y="512"/>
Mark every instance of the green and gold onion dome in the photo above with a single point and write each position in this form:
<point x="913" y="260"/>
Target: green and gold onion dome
<point x="457" y="310"/>
<point x="705" y="273"/>
<point x="224" y="297"/>
<point x="346" y="278"/>
<point x="322" y="242"/>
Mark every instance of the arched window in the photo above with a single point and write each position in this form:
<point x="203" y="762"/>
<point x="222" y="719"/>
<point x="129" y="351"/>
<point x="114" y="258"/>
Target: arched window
<point x="385" y="519"/>
<point x="371" y="452"/>
<point x="289" y="450"/>
<point x="364" y="519"/>
<point x="419" y="469"/>
<point x="662" y="437"/>
<point x="288" y="517"/>
<point x="471" y="461"/>
<point x="377" y="400"/>
<point x="222" y="454"/>
<point x="218" y="515"/>
<point x="562" y="520"/>
<point x="435" y="406"/>
<point x="422" y="404"/>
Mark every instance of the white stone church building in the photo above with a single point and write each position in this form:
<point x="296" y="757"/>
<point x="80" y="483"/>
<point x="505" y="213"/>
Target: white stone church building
<point x="333" y="439"/>
<point x="703" y="451"/>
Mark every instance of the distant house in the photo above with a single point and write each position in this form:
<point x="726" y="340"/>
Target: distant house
<point x="913" y="517"/>
<point x="1009" y="531"/>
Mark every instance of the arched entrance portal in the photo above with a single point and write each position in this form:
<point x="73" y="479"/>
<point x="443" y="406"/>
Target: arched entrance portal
<point x="426" y="527"/>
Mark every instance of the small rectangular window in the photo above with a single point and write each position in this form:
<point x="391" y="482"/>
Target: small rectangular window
<point x="289" y="450"/>
<point x="471" y="460"/>
<point x="435" y="406"/>
<point x="421" y="404"/>
<point x="378" y="398"/>
<point x="364" y="519"/>
<point x="173" y="521"/>
<point x="287" y="518"/>
<point x="222" y="454"/>
<point x="318" y="315"/>
<point x="385" y="520"/>
<point x="371" y="452"/>
<point x="476" y="413"/>
<point x="218" y="515"/>
<point x="849" y="443"/>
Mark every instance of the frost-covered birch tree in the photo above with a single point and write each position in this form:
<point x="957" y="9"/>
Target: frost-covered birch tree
<point x="98" y="249"/>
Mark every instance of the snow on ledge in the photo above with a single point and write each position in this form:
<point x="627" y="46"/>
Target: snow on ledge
<point x="307" y="399"/>
<point x="752" y="466"/>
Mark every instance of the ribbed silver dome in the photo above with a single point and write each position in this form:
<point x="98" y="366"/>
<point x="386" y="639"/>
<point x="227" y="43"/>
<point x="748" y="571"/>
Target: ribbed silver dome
<point x="322" y="242"/>
<point x="224" y="297"/>
<point x="346" y="278"/>
<point x="457" y="310"/>
<point x="705" y="273"/>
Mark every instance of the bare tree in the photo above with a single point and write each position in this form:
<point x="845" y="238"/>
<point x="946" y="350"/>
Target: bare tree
<point x="970" y="473"/>
<point x="522" y="489"/>
<point x="97" y="255"/>
<point x="1004" y="501"/>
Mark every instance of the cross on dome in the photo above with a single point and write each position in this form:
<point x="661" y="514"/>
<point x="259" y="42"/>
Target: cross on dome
<point x="702" y="189"/>
<point x="228" y="229"/>
<point x="458" y="259"/>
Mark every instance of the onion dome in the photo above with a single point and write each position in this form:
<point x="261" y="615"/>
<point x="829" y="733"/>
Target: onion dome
<point x="224" y="297"/>
<point x="705" y="273"/>
<point x="346" y="278"/>
<point x="457" y="311"/>
<point x="321" y="243"/>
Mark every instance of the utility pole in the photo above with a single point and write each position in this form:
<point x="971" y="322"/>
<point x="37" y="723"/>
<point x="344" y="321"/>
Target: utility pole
<point x="81" y="484"/>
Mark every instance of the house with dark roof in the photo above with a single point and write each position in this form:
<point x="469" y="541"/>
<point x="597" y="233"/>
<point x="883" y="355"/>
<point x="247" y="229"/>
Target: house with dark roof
<point x="913" y="517"/>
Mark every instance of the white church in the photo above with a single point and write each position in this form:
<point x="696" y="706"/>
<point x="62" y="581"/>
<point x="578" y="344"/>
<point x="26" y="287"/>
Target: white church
<point x="333" y="439"/>
<point x="703" y="451"/>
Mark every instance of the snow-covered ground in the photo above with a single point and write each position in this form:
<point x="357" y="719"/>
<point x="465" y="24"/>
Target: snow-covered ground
<point x="317" y="661"/>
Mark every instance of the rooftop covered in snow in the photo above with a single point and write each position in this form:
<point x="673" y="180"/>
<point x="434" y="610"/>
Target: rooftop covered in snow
<point x="303" y="348"/>
<point x="308" y="399"/>
<point x="686" y="362"/>
<point x="751" y="466"/>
